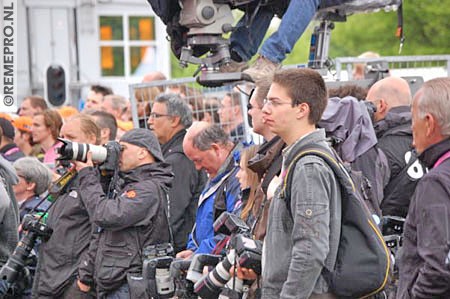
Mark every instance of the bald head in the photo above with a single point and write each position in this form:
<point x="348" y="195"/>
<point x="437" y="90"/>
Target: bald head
<point x="154" y="76"/>
<point x="194" y="130"/>
<point x="208" y="146"/>
<point x="389" y="93"/>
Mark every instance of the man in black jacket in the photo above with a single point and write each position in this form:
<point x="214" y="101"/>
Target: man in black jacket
<point x="423" y="269"/>
<point x="170" y="118"/>
<point x="135" y="219"/>
<point x="392" y="98"/>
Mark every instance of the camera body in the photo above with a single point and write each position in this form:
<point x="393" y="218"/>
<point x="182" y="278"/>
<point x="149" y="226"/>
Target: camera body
<point x="248" y="252"/>
<point x="107" y="155"/>
<point x="156" y="270"/>
<point x="229" y="224"/>
<point x="241" y="249"/>
<point x="16" y="263"/>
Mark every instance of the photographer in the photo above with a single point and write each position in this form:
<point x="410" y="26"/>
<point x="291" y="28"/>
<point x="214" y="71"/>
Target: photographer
<point x="63" y="258"/>
<point x="133" y="220"/>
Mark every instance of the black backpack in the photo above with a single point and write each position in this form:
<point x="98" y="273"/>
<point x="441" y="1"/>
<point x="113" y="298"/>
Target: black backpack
<point x="362" y="265"/>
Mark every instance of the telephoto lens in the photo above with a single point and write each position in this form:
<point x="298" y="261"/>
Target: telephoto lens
<point x="78" y="151"/>
<point x="210" y="285"/>
<point x="199" y="261"/>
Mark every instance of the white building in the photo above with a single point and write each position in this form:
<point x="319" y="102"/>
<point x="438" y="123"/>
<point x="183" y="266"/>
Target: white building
<point x="109" y="42"/>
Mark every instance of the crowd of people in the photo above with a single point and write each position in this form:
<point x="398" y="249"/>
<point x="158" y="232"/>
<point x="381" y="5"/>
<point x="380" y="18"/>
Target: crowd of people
<point x="175" y="176"/>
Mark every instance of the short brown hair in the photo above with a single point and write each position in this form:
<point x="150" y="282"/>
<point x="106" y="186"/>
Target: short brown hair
<point x="37" y="102"/>
<point x="352" y="90"/>
<point x="104" y="90"/>
<point x="304" y="86"/>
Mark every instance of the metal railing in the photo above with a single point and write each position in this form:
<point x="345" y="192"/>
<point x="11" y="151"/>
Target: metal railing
<point x="427" y="66"/>
<point x="204" y="101"/>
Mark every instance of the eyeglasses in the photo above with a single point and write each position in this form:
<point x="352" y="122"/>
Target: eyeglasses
<point x="157" y="115"/>
<point x="275" y="102"/>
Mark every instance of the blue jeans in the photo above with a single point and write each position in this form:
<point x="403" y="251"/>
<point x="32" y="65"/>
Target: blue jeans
<point x="245" y="40"/>
<point x="294" y="22"/>
<point x="122" y="292"/>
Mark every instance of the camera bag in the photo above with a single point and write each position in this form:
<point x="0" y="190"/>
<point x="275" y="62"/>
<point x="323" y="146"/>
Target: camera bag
<point x="362" y="265"/>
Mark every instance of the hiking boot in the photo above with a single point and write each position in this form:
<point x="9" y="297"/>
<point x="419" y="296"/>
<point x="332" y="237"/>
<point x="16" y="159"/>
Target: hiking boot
<point x="233" y="67"/>
<point x="261" y="68"/>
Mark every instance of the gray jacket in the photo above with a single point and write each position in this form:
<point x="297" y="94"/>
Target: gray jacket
<point x="297" y="248"/>
<point x="9" y="214"/>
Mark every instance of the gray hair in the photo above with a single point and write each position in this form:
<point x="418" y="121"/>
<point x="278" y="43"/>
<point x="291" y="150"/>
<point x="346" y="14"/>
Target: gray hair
<point x="32" y="170"/>
<point x="212" y="134"/>
<point x="176" y="106"/>
<point x="435" y="100"/>
<point x="117" y="102"/>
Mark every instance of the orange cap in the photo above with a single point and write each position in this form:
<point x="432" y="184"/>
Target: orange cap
<point x="23" y="123"/>
<point x="5" y="116"/>
<point x="124" y="125"/>
<point x="67" y="111"/>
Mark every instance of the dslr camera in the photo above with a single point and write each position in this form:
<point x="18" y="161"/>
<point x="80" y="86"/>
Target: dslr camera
<point x="15" y="268"/>
<point x="107" y="156"/>
<point x="242" y="250"/>
<point x="156" y="270"/>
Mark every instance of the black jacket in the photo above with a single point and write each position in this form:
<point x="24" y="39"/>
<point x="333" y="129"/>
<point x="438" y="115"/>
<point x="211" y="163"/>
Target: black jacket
<point x="60" y="256"/>
<point x="395" y="140"/>
<point x="423" y="271"/>
<point x="11" y="152"/>
<point x="187" y="185"/>
<point x="133" y="220"/>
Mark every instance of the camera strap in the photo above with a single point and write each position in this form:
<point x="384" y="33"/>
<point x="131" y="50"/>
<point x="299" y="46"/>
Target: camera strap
<point x="164" y="195"/>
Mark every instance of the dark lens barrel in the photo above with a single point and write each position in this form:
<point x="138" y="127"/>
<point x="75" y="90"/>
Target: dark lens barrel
<point x="206" y="289"/>
<point x="83" y="149"/>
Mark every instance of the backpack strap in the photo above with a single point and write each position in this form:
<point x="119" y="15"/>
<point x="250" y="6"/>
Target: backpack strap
<point x="351" y="203"/>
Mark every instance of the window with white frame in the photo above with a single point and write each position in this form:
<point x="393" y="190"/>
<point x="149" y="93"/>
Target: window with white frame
<point x="127" y="45"/>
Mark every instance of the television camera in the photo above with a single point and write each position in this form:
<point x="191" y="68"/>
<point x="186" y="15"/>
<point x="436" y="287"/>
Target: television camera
<point x="197" y="28"/>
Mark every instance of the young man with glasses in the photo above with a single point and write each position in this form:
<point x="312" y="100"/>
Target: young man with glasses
<point x="170" y="118"/>
<point x="301" y="238"/>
